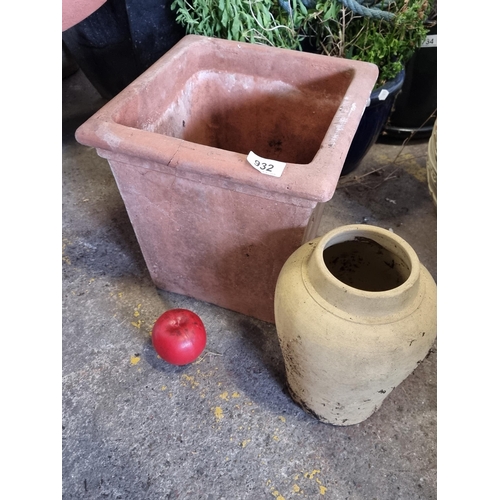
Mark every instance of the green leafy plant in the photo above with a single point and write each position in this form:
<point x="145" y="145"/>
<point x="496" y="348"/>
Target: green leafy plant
<point x="387" y="42"/>
<point x="255" y="21"/>
<point x="386" y="34"/>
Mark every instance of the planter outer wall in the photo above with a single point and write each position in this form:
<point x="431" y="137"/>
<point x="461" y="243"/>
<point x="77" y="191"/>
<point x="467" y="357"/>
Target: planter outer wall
<point x="346" y="349"/>
<point x="210" y="226"/>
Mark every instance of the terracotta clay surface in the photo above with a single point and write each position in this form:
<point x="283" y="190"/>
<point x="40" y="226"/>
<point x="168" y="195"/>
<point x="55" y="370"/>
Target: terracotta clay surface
<point x="210" y="225"/>
<point x="355" y="315"/>
<point x="74" y="11"/>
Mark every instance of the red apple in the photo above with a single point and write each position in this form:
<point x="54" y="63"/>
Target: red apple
<point x="179" y="336"/>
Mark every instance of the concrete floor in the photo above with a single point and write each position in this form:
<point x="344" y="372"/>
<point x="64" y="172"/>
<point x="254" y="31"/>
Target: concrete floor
<point x="223" y="427"/>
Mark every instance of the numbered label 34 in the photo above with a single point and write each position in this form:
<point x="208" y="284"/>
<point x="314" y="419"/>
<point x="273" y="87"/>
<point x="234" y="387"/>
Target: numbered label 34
<point x="265" y="166"/>
<point x="430" y="41"/>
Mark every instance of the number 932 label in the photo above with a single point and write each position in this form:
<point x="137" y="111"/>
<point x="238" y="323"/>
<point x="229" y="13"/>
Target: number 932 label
<point x="268" y="167"/>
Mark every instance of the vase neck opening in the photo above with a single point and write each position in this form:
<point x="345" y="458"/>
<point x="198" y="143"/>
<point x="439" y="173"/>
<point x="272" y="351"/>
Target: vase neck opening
<point x="364" y="270"/>
<point x="364" y="264"/>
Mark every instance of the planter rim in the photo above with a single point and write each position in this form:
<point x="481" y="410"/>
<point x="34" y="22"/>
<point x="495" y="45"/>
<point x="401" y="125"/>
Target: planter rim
<point x="315" y="181"/>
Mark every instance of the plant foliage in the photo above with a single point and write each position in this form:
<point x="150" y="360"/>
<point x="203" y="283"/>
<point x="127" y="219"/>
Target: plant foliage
<point x="255" y="21"/>
<point x="328" y="26"/>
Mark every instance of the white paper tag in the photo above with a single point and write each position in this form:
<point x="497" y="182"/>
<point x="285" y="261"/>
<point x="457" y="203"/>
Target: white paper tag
<point x="383" y="95"/>
<point x="265" y="166"/>
<point x="430" y="41"/>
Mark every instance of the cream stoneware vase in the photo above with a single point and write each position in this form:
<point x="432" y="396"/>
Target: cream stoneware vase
<point x="355" y="315"/>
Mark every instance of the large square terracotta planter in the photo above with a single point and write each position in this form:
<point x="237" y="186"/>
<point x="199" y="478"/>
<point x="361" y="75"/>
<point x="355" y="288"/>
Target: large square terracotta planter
<point x="211" y="226"/>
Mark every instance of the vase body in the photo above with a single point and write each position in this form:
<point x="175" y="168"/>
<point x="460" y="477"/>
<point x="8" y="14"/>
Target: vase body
<point x="432" y="164"/>
<point x="355" y="314"/>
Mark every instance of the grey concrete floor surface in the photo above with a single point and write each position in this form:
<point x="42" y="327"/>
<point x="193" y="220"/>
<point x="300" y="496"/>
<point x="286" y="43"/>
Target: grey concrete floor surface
<point x="223" y="427"/>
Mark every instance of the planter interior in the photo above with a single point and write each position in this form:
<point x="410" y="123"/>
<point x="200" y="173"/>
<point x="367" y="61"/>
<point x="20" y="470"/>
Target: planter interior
<point x="210" y="225"/>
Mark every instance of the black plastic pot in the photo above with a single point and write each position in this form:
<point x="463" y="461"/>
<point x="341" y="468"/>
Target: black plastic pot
<point x="120" y="40"/>
<point x="414" y="111"/>
<point x="372" y="122"/>
<point x="69" y="65"/>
